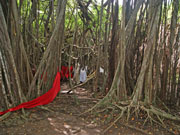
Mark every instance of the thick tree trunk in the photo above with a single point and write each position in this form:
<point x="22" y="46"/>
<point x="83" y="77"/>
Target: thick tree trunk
<point x="51" y="59"/>
<point x="147" y="65"/>
<point x="169" y="50"/>
<point x="113" y="44"/>
<point x="6" y="46"/>
<point x="20" y="55"/>
<point x="99" y="48"/>
<point x="119" y="77"/>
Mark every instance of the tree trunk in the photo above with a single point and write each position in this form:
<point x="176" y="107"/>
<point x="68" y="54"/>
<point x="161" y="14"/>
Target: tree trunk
<point x="147" y="65"/>
<point x="119" y="77"/>
<point x="113" y="44"/>
<point x="50" y="62"/>
<point x="6" y="46"/>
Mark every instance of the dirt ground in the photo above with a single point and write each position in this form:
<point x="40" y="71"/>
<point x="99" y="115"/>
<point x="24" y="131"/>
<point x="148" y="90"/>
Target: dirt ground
<point x="62" y="117"/>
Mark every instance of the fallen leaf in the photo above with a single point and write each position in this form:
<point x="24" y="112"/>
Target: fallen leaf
<point x="105" y="116"/>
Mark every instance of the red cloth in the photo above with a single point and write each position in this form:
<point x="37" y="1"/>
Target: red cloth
<point x="42" y="100"/>
<point x="65" y="72"/>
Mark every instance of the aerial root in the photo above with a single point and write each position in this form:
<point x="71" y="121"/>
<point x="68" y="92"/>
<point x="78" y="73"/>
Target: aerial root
<point x="99" y="104"/>
<point x="151" y="112"/>
<point x="127" y="110"/>
<point x="45" y="108"/>
<point x="3" y="117"/>
<point x="114" y="122"/>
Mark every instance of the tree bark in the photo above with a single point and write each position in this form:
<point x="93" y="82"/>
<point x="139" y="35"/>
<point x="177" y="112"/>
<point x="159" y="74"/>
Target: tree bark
<point x="6" y="46"/>
<point x="51" y="60"/>
<point x="147" y="64"/>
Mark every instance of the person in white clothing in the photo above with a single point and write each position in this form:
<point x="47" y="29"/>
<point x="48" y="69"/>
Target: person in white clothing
<point x="83" y="75"/>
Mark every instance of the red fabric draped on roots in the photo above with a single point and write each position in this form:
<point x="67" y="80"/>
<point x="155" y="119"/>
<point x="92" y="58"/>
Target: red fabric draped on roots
<point x="42" y="100"/>
<point x="48" y="96"/>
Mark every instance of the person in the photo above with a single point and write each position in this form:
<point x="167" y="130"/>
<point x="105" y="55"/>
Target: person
<point x="83" y="75"/>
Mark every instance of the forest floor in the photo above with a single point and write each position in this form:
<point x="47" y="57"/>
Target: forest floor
<point x="62" y="118"/>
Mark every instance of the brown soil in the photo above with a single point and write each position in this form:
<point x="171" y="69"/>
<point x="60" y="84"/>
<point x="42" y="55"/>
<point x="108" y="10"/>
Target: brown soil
<point x="61" y="117"/>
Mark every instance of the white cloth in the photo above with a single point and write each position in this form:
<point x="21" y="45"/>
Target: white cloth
<point x="101" y="70"/>
<point x="83" y="75"/>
